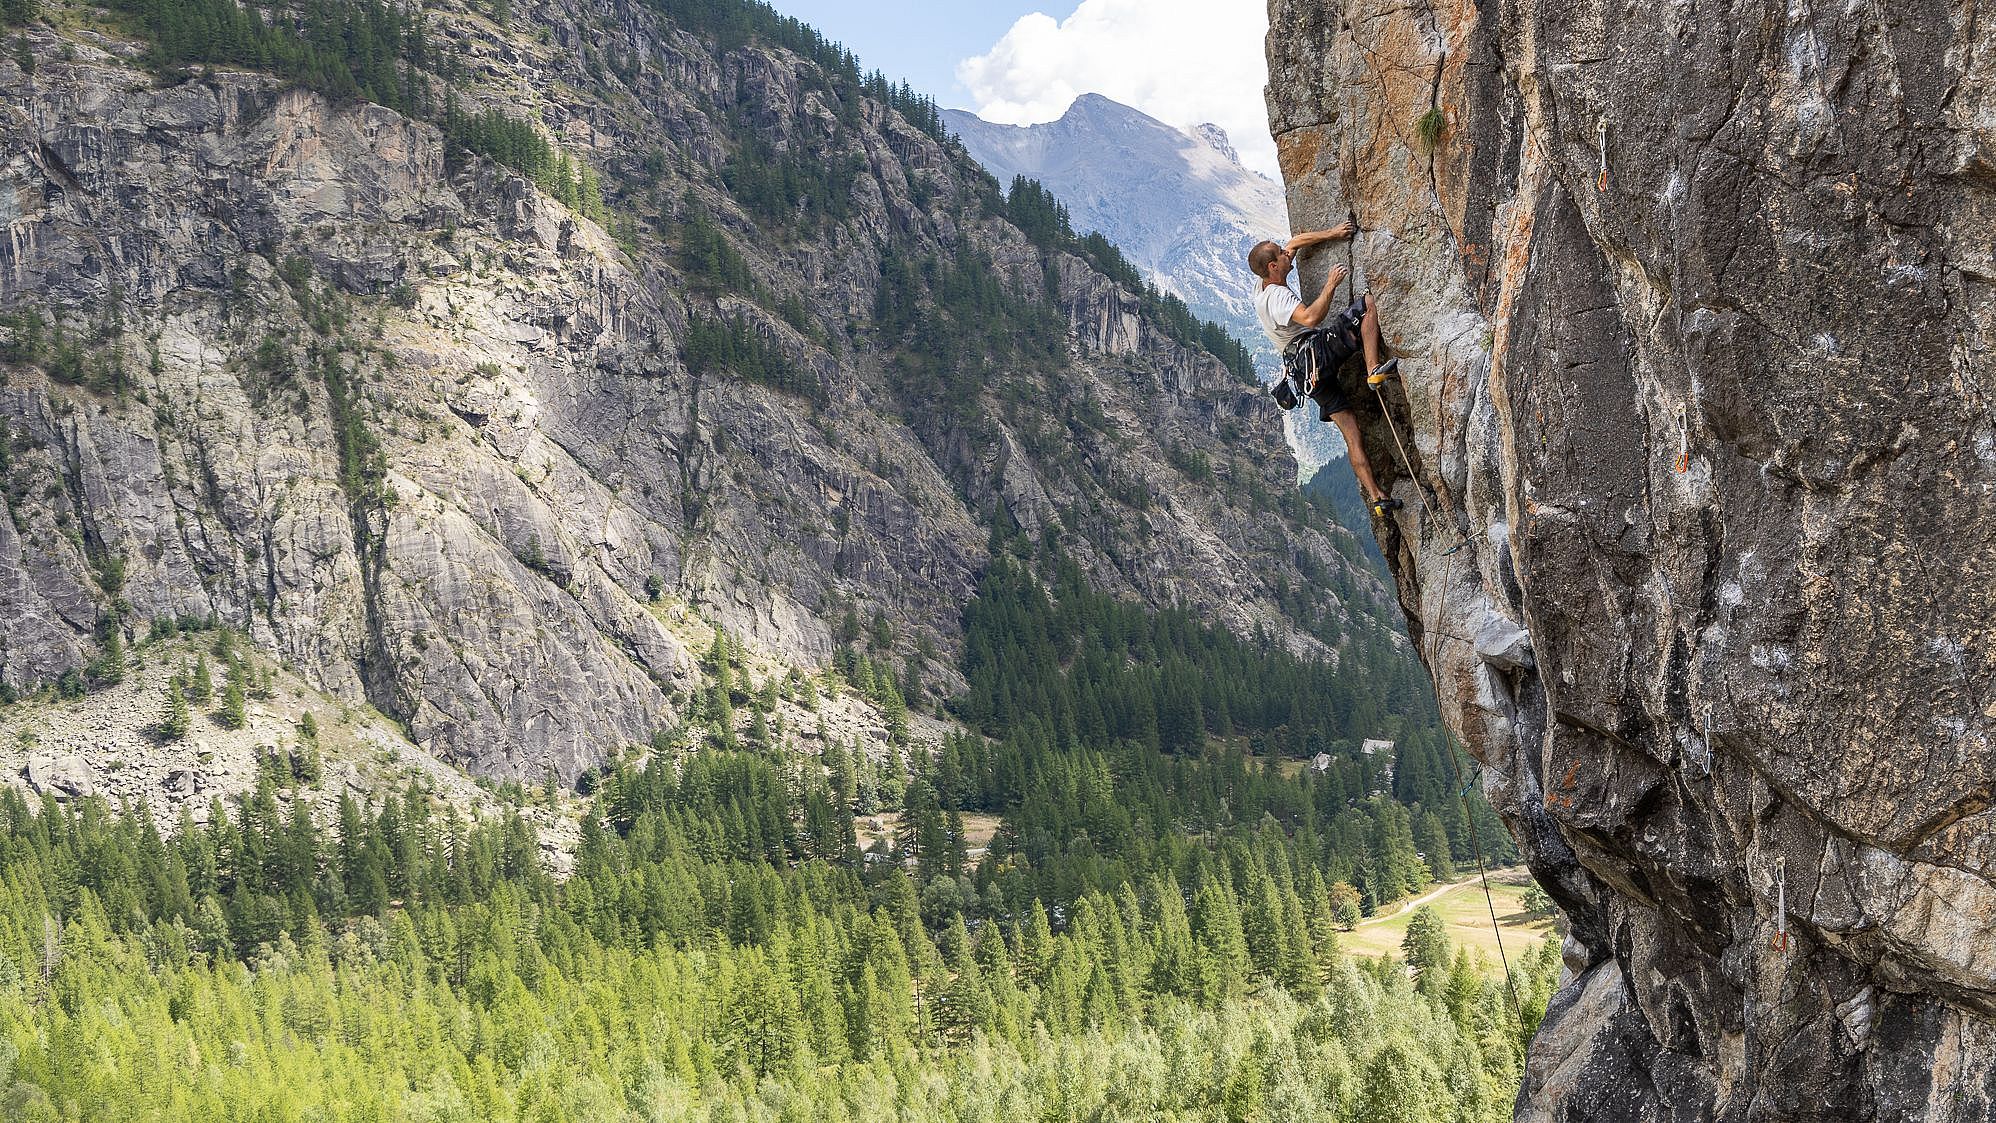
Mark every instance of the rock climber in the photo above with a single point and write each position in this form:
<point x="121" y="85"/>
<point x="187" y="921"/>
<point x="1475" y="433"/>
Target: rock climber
<point x="1294" y="325"/>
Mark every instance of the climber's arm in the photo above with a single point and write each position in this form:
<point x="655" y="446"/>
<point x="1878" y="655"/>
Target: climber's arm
<point x="1336" y="233"/>
<point x="1313" y="313"/>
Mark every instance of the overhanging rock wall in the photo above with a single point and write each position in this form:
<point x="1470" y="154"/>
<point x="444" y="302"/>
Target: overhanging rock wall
<point x="1695" y="304"/>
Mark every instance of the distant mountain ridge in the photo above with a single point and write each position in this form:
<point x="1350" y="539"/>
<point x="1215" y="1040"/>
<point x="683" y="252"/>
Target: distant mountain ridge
<point x="1178" y="203"/>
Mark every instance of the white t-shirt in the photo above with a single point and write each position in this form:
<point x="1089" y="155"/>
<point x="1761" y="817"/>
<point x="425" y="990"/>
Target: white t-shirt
<point x="1273" y="306"/>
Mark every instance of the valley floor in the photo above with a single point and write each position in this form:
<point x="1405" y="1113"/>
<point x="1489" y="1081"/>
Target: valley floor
<point x="1467" y="914"/>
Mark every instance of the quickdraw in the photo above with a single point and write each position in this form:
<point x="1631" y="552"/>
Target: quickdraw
<point x="1601" y="135"/>
<point x="1781" y="942"/>
<point x="1683" y="442"/>
<point x="1705" y="749"/>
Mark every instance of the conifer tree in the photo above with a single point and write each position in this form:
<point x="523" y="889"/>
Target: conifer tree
<point x="233" y="714"/>
<point x="177" y="721"/>
<point x="1035" y="945"/>
<point x="201" y="687"/>
<point x="1400" y="1085"/>
<point x="1432" y="838"/>
<point x="1463" y="990"/>
<point x="108" y="669"/>
<point x="1216" y="929"/>
<point x="1426" y="946"/>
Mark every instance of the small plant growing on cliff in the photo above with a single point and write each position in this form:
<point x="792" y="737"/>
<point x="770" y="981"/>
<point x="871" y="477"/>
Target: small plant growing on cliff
<point x="535" y="558"/>
<point x="1429" y="128"/>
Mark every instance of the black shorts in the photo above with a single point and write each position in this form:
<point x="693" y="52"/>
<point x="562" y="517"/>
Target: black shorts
<point x="1330" y="398"/>
<point x="1343" y="342"/>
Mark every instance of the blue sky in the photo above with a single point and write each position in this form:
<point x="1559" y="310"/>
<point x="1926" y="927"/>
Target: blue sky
<point x="919" y="40"/>
<point x="1181" y="61"/>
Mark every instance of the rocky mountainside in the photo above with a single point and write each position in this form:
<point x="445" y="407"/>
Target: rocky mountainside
<point x="451" y="371"/>
<point x="1178" y="204"/>
<point x="1695" y="307"/>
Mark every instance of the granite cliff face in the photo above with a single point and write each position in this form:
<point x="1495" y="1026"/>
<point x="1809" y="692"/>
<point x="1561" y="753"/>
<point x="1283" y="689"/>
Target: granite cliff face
<point x="428" y="435"/>
<point x="1695" y="303"/>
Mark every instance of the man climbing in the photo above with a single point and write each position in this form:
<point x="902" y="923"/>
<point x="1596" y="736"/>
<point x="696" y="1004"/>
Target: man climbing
<point x="1294" y="326"/>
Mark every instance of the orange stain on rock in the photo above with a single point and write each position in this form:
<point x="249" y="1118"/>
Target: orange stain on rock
<point x="1297" y="150"/>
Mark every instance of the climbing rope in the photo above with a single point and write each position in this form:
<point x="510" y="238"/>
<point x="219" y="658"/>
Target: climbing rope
<point x="1420" y="493"/>
<point x="1448" y="741"/>
<point x="1348" y="168"/>
<point x="1483" y="875"/>
<point x="1406" y="462"/>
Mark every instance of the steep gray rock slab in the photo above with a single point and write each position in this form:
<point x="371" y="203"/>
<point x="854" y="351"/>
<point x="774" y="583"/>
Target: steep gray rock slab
<point x="1693" y="304"/>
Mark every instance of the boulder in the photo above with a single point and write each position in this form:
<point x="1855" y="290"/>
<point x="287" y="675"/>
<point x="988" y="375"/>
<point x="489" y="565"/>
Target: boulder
<point x="66" y="777"/>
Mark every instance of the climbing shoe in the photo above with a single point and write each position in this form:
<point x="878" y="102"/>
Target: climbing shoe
<point x="1386" y="505"/>
<point x="1382" y="372"/>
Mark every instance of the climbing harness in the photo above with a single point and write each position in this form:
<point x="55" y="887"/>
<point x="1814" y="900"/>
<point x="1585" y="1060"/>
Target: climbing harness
<point x="1781" y="942"/>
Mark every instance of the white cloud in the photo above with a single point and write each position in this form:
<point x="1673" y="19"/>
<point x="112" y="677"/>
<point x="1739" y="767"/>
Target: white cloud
<point x="1181" y="61"/>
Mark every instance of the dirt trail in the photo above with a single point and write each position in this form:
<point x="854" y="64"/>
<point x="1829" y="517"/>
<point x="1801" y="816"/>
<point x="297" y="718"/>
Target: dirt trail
<point x="1417" y="902"/>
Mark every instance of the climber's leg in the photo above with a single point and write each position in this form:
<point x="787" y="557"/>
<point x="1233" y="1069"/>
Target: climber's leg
<point x="1347" y="423"/>
<point x="1377" y="371"/>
